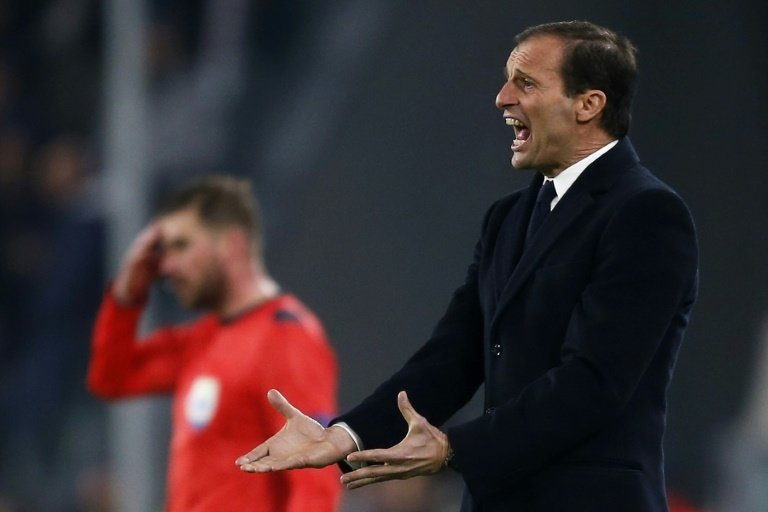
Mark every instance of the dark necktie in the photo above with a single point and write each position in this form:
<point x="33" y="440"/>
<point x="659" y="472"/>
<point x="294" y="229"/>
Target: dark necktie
<point x="542" y="207"/>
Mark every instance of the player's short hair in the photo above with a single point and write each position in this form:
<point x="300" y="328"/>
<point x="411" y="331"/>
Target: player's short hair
<point x="220" y="202"/>
<point x="595" y="58"/>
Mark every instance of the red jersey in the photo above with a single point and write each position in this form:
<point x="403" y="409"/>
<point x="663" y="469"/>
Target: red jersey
<point x="219" y="373"/>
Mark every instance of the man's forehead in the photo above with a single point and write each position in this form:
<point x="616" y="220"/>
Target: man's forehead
<point x="518" y="55"/>
<point x="539" y="50"/>
<point x="179" y="221"/>
<point x="185" y="215"/>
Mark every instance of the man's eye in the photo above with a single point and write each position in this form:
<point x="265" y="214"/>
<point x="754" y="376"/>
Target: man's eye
<point x="176" y="245"/>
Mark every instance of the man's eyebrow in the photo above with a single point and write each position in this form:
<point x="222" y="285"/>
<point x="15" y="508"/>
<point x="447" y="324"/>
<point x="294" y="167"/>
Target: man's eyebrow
<point x="523" y="74"/>
<point x="508" y="76"/>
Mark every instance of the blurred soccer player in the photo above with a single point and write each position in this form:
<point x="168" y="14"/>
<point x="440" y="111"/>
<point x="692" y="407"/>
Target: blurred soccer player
<point x="207" y="243"/>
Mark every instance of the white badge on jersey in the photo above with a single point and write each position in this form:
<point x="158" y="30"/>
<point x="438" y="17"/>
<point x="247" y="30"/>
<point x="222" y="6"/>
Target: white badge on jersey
<point x="202" y="401"/>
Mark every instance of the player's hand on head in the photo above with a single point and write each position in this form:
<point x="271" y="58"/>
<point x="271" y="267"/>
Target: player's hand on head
<point x="140" y="266"/>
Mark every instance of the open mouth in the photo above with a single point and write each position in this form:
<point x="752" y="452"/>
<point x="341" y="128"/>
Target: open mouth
<point x="522" y="132"/>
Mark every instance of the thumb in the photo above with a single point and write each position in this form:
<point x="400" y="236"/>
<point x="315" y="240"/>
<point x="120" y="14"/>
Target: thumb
<point x="406" y="408"/>
<point x="281" y="405"/>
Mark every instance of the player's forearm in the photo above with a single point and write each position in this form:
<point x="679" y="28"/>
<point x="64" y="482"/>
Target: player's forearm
<point x="112" y="348"/>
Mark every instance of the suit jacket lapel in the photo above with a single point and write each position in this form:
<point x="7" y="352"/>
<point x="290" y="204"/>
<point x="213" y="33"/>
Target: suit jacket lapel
<point x="556" y="223"/>
<point x="512" y="250"/>
<point x="597" y="178"/>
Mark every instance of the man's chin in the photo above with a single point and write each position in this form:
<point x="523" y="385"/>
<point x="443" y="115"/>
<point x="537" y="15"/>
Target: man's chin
<point x="185" y="303"/>
<point x="185" y="300"/>
<point x="518" y="162"/>
<point x="199" y="303"/>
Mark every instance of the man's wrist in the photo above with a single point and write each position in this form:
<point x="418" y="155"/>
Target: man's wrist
<point x="348" y="443"/>
<point x="120" y="291"/>
<point x="355" y="446"/>
<point x="449" y="462"/>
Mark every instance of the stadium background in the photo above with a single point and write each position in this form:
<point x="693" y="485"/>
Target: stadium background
<point x="369" y="130"/>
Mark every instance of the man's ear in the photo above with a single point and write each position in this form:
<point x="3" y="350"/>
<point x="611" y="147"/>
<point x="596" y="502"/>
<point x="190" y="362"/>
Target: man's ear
<point x="235" y="241"/>
<point x="590" y="105"/>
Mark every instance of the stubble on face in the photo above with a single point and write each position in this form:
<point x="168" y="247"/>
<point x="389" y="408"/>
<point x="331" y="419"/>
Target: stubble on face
<point x="206" y="291"/>
<point x="191" y="264"/>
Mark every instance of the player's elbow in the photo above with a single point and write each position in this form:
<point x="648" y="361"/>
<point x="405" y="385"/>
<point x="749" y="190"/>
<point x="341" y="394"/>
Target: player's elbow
<point x="104" y="388"/>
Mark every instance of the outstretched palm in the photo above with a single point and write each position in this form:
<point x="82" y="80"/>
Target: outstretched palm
<point x="421" y="452"/>
<point x="301" y="443"/>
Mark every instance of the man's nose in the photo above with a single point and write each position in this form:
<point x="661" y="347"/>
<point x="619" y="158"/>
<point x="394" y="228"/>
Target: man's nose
<point x="506" y="96"/>
<point x="167" y="265"/>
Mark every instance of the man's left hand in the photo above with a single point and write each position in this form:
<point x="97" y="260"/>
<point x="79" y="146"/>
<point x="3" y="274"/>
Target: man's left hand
<point x="421" y="452"/>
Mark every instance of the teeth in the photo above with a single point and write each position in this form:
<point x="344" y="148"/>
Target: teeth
<point x="517" y="142"/>
<point x="511" y="121"/>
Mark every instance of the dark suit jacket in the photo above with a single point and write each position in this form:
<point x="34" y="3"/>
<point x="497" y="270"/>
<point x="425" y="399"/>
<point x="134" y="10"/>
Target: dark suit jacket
<point x="574" y="334"/>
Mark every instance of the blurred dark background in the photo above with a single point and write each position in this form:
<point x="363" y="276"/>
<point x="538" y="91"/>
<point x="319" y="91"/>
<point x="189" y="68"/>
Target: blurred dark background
<point x="369" y="130"/>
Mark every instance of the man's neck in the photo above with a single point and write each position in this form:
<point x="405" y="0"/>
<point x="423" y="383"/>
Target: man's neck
<point x="586" y="148"/>
<point x="249" y="293"/>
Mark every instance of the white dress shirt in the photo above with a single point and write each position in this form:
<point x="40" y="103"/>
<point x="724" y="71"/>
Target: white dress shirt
<point x="568" y="176"/>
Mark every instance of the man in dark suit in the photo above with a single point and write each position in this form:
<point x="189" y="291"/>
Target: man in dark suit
<point x="571" y="314"/>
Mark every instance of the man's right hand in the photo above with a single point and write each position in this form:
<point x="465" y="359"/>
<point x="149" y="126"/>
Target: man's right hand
<point x="140" y="267"/>
<point x="301" y="443"/>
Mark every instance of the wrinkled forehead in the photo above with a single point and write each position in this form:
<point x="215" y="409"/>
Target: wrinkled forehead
<point x="542" y="53"/>
<point x="519" y="54"/>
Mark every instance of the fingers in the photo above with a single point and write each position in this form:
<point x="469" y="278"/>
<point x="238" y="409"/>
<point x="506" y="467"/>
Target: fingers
<point x="363" y="482"/>
<point x="255" y="467"/>
<point x="373" y="474"/>
<point x="258" y="460"/>
<point x="282" y="405"/>
<point x="139" y="266"/>
<point x="150" y="234"/>
<point x="380" y="456"/>
<point x="406" y="408"/>
<point x="265" y="465"/>
<point x="144" y="245"/>
<point x="253" y="455"/>
<point x="269" y="464"/>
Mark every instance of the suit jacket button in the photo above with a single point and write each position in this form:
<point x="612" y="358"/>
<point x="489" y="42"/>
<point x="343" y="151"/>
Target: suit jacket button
<point x="490" y="410"/>
<point x="496" y="350"/>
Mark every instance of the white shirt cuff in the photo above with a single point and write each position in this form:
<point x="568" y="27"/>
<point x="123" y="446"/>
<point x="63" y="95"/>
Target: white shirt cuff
<point x="356" y="439"/>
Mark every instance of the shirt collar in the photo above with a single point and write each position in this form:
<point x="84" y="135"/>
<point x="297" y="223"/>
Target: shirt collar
<point x="568" y="176"/>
